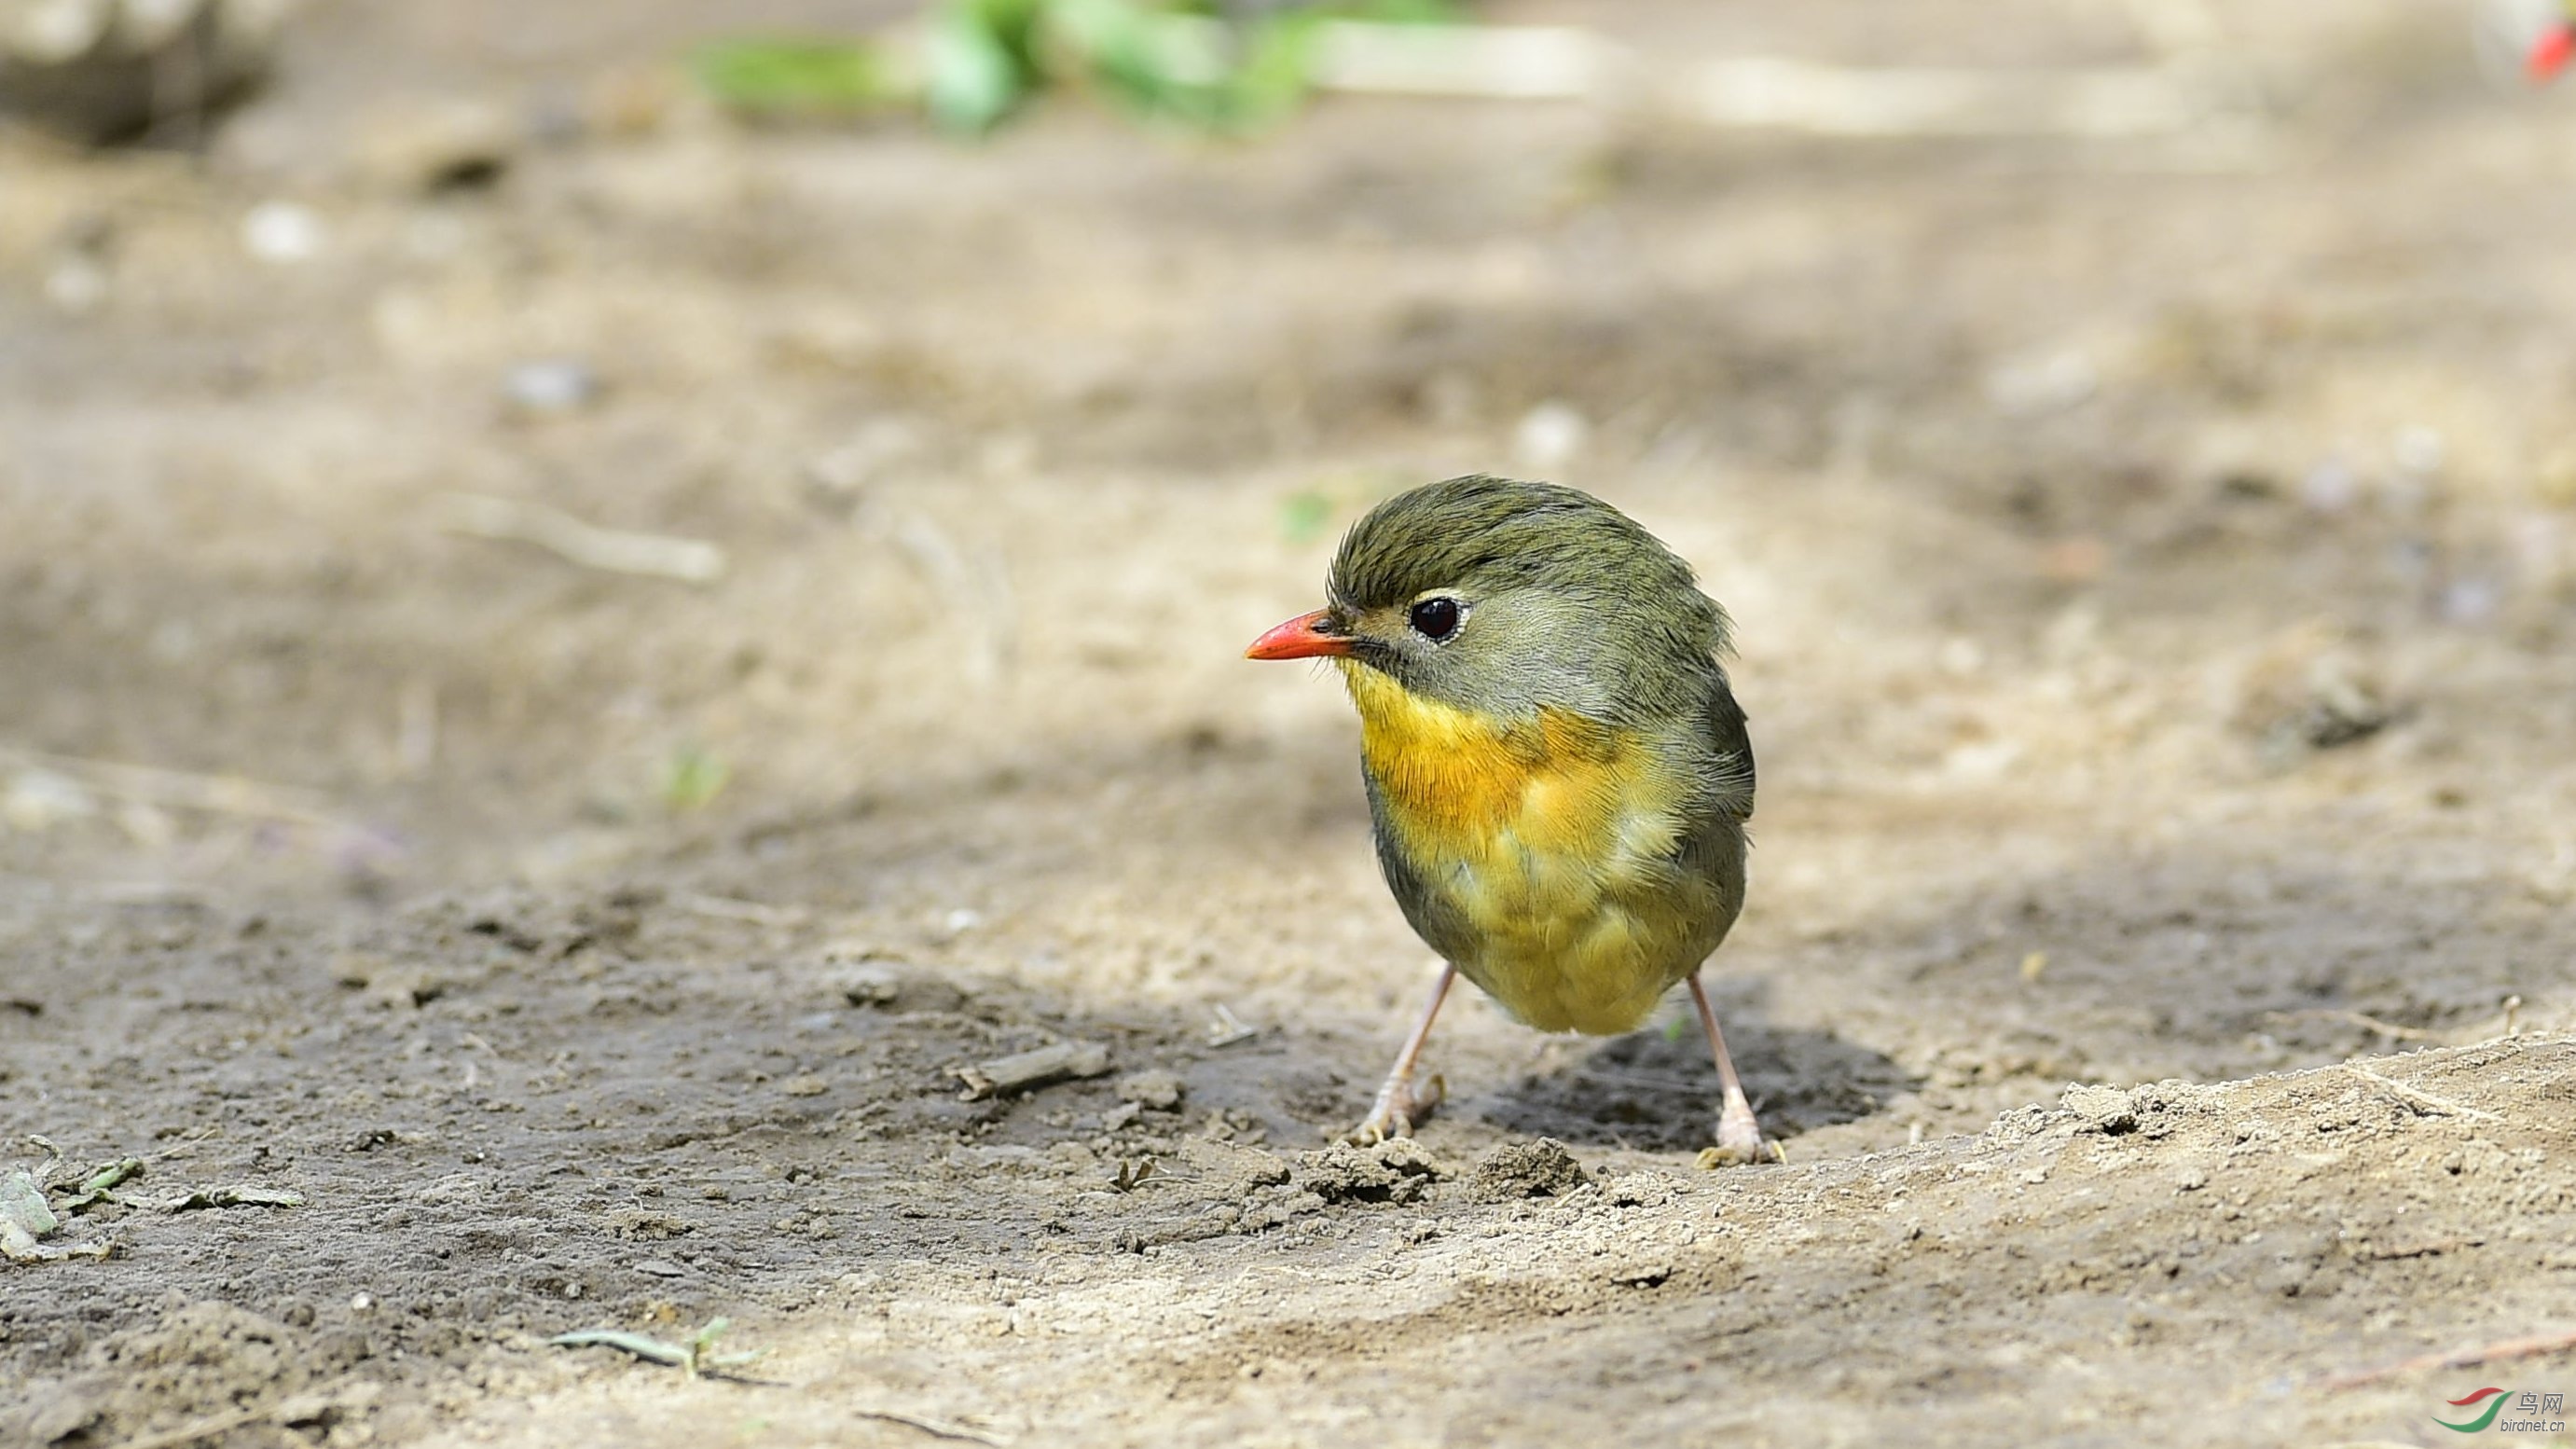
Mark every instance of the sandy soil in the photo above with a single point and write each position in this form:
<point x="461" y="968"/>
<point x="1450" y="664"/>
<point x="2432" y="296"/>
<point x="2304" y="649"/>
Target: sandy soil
<point x="2155" y="566"/>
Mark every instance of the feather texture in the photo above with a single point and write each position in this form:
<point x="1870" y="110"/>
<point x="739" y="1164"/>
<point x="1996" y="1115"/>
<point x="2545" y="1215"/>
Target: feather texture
<point x="1559" y="788"/>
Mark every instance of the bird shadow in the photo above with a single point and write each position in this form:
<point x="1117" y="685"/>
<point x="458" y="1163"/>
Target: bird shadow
<point x="1656" y="1090"/>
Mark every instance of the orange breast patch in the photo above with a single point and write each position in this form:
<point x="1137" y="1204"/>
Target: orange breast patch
<point x="1459" y="774"/>
<point x="1549" y="840"/>
<point x="1455" y="780"/>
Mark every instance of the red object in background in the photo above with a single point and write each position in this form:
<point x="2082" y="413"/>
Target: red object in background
<point x="2550" y="53"/>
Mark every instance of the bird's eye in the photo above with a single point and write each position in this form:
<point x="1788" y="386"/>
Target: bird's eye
<point x="1436" y="619"/>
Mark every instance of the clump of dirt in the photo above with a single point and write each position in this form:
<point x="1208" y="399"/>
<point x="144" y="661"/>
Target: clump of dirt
<point x="2107" y="1110"/>
<point x="198" y="1361"/>
<point x="1154" y="1090"/>
<point x="1396" y="1171"/>
<point x="1539" y="1168"/>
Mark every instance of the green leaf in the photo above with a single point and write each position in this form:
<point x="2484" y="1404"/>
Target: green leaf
<point x="790" y="77"/>
<point x="1303" y="515"/>
<point x="1154" y="64"/>
<point x="692" y="777"/>
<point x="1276" y="69"/>
<point x="22" y="1205"/>
<point x="975" y="74"/>
<point x="1179" y="62"/>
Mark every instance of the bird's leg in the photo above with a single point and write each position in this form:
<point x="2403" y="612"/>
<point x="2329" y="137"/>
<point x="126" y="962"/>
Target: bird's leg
<point x="1739" y="1139"/>
<point x="1397" y="1105"/>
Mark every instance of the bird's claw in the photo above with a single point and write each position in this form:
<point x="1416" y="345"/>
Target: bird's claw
<point x="1739" y="1140"/>
<point x="1397" y="1108"/>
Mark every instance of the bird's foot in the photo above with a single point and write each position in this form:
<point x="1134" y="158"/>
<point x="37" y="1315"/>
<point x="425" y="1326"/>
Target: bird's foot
<point x="1739" y="1140"/>
<point x="1398" y="1107"/>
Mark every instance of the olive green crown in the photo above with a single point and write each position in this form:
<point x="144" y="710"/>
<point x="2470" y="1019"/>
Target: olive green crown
<point x="1619" y="622"/>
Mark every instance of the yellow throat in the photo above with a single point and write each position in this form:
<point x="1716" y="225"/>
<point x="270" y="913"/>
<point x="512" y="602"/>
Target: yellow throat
<point x="1548" y="836"/>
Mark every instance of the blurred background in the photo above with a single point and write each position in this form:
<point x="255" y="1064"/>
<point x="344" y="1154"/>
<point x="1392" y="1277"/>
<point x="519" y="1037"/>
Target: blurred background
<point x="829" y="456"/>
<point x="621" y="587"/>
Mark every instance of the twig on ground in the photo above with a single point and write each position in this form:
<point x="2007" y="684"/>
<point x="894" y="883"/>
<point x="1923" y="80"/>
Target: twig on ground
<point x="205" y="1428"/>
<point x="935" y="1428"/>
<point x="1781" y="94"/>
<point x="2511" y="1023"/>
<point x="697" y="1355"/>
<point x="2499" y="1352"/>
<point x="2512" y="1011"/>
<point x="1226" y="1028"/>
<point x="1023" y="1070"/>
<point x="2420" y="1097"/>
<point x="1494" y="62"/>
<point x="185" y="790"/>
<point x="1571" y="63"/>
<point x="2355" y="1018"/>
<point x="727" y="908"/>
<point x="148" y="893"/>
<point x="610" y="550"/>
<point x="236" y="1195"/>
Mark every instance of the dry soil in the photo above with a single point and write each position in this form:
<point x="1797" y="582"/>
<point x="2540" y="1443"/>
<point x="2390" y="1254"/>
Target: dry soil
<point x="2155" y="567"/>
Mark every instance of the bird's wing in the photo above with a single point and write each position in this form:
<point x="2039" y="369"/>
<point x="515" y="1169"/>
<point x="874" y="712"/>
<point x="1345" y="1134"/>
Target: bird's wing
<point x="1434" y="916"/>
<point x="1731" y="775"/>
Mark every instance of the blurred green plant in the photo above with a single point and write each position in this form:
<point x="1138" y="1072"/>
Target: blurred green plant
<point x="800" y="78"/>
<point x="1309" y="513"/>
<point x="691" y="779"/>
<point x="1196" y="64"/>
<point x="1304" y="514"/>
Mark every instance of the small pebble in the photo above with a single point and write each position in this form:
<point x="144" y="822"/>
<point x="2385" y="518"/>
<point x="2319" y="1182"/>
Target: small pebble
<point x="550" y="386"/>
<point x="1155" y="1090"/>
<point x="76" y="284"/>
<point x="1549" y="436"/>
<point x="282" y="232"/>
<point x="2330" y="487"/>
<point x="2043" y="382"/>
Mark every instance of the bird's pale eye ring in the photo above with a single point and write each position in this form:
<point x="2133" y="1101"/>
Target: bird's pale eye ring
<point x="1436" y="618"/>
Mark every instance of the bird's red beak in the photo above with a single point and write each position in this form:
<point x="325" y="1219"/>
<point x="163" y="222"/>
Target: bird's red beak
<point x="1303" y="637"/>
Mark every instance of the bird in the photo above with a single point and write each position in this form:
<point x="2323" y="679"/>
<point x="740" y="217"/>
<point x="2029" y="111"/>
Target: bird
<point x="1558" y="774"/>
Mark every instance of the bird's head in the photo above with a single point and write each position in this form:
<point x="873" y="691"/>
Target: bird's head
<point x="1503" y="597"/>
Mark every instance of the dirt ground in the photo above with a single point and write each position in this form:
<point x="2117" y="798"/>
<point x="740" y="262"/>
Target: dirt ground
<point x="2154" y="562"/>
